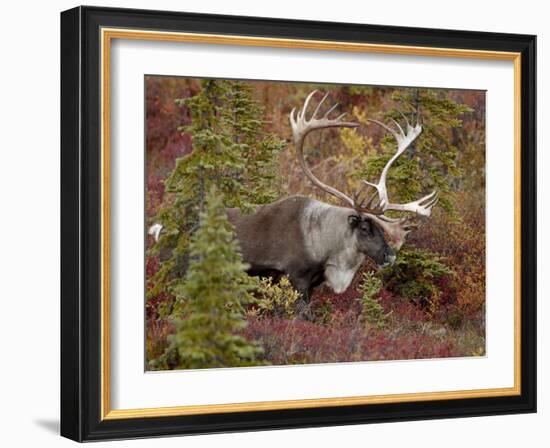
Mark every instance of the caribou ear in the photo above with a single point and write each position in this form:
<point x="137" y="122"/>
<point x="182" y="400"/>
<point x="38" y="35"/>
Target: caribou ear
<point x="353" y="221"/>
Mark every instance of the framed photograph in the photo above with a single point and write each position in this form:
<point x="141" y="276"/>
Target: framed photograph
<point x="277" y="224"/>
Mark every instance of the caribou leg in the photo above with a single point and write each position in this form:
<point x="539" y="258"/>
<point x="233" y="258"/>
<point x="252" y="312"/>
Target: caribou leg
<point x="304" y="286"/>
<point x="303" y="310"/>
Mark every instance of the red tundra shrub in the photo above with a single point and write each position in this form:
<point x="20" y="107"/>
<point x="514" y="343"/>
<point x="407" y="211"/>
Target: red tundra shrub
<point x="345" y="340"/>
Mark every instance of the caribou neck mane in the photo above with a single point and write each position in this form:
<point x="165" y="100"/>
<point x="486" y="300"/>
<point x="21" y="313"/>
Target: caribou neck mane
<point x="329" y="241"/>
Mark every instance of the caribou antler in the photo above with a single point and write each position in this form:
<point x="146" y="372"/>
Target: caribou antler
<point x="422" y="206"/>
<point x="396" y="228"/>
<point x="302" y="126"/>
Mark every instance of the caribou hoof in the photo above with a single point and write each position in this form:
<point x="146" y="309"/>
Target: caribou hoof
<point x="303" y="310"/>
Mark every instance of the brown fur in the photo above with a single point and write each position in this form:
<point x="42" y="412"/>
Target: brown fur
<point x="266" y="234"/>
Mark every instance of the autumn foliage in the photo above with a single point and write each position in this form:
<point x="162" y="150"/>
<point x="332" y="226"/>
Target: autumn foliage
<point x="429" y="304"/>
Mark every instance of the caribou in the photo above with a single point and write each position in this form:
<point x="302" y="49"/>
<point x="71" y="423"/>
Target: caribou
<point x="314" y="242"/>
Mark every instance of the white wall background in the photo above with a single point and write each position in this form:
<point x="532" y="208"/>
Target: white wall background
<point x="29" y="228"/>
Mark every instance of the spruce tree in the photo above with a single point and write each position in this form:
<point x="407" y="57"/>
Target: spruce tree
<point x="216" y="290"/>
<point x="232" y="152"/>
<point x="260" y="177"/>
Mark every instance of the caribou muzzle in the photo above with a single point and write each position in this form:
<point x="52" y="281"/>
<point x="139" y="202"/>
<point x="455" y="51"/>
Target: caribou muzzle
<point x="389" y="260"/>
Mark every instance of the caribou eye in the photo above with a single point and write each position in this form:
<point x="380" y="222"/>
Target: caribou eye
<point x="365" y="226"/>
<point x="353" y="221"/>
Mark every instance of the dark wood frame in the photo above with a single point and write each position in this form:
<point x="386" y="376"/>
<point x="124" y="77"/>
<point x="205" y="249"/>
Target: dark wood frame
<point x="81" y="224"/>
